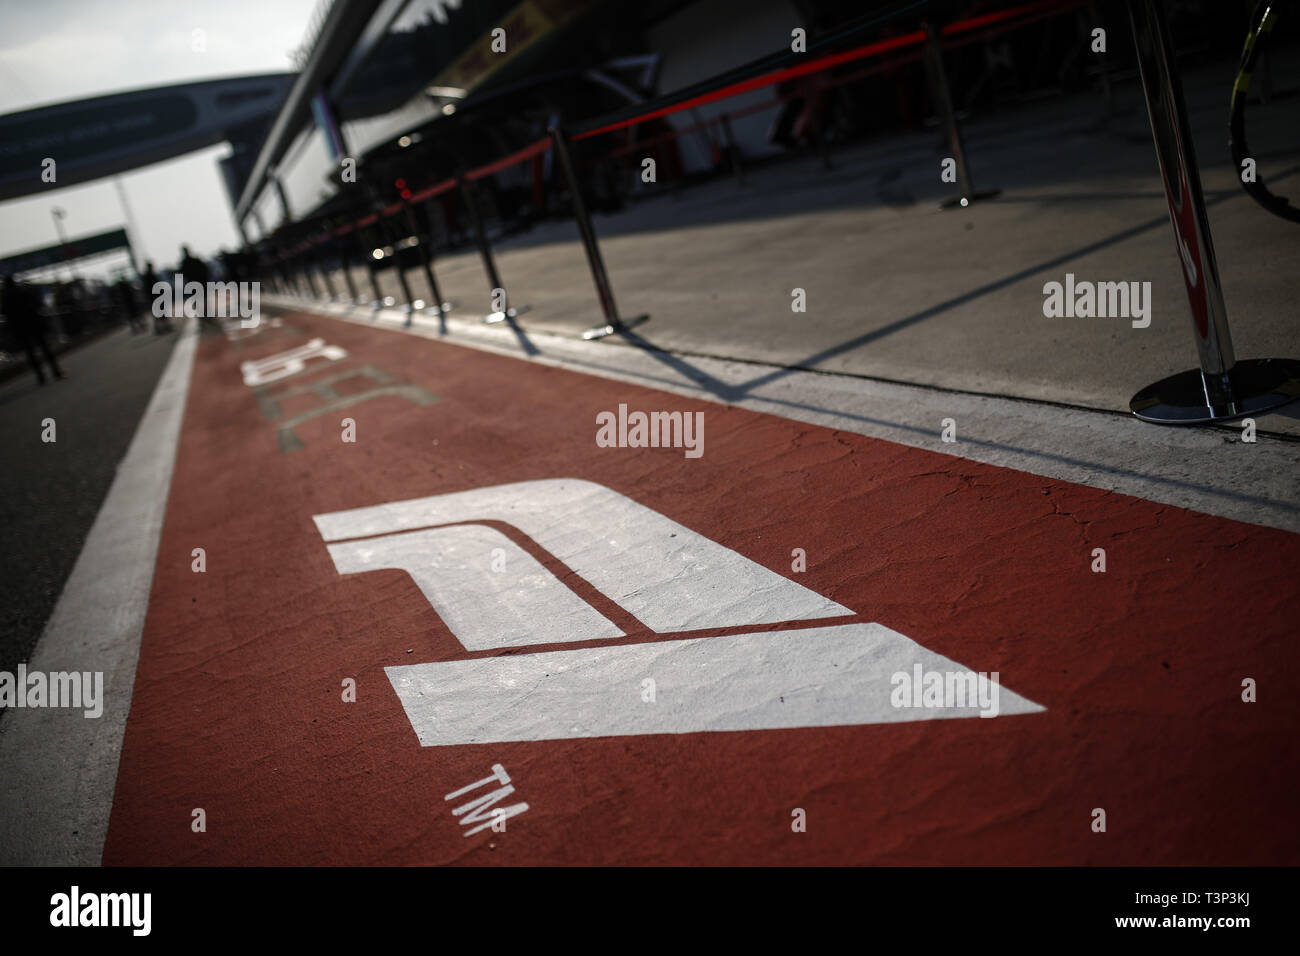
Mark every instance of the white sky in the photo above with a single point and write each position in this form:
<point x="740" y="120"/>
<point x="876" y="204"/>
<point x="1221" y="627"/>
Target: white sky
<point x="56" y="50"/>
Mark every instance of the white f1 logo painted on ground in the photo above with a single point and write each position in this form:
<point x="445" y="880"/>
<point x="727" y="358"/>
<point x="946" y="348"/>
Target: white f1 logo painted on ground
<point x="664" y="576"/>
<point x="283" y="364"/>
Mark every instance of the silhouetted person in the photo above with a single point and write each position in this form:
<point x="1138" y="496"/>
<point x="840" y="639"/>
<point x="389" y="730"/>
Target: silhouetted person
<point x="148" y="279"/>
<point x="124" y="295"/>
<point x="194" y="269"/>
<point x="233" y="263"/>
<point x="23" y="310"/>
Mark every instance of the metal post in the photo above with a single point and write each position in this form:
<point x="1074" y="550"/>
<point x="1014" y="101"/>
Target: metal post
<point x="346" y="268"/>
<point x="389" y="237"/>
<point x="374" y="284"/>
<point x="304" y="267"/>
<point x="603" y="288"/>
<point x="370" y="270"/>
<point x="386" y="237"/>
<point x="325" y="277"/>
<point x="943" y="98"/>
<point x="401" y="280"/>
<point x="1222" y="389"/>
<point x="426" y="260"/>
<point x="485" y="251"/>
<point x="289" y="281"/>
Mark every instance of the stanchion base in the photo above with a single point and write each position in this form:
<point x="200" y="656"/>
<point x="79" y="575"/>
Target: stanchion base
<point x="433" y="309"/>
<point x="1261" y="385"/>
<point x="492" y="318"/>
<point x="961" y="202"/>
<point x="600" y="331"/>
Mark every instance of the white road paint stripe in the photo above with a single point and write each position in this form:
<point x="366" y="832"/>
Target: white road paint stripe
<point x="667" y="576"/>
<point x="58" y="770"/>
<point x="515" y="603"/>
<point x="815" y="677"/>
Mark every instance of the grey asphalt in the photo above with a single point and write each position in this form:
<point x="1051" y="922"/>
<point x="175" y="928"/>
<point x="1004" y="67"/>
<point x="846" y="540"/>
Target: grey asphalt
<point x="50" y="493"/>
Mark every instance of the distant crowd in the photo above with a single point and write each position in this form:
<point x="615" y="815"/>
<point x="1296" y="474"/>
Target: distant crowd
<point x="42" y="319"/>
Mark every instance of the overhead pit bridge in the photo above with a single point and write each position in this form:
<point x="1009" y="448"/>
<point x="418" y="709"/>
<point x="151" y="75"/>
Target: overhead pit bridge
<point x="106" y="135"/>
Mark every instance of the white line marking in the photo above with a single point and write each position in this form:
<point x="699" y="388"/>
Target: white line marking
<point x="284" y="364"/>
<point x="815" y="677"/>
<point x="523" y="603"/>
<point x="666" y="575"/>
<point x="480" y="810"/>
<point x="671" y="578"/>
<point x="58" y="770"/>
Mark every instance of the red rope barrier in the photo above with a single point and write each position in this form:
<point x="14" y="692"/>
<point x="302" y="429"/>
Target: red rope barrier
<point x="824" y="63"/>
<point x="767" y="79"/>
<point x="974" y="23"/>
<point x="437" y="189"/>
<point x="756" y="108"/>
<point x="1030" y="12"/>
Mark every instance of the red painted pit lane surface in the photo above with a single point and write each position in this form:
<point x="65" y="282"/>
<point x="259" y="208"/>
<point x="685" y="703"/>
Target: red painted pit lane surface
<point x="237" y="706"/>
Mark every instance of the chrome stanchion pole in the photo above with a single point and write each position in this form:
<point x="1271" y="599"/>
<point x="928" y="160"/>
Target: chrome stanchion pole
<point x="943" y="99"/>
<point x="426" y="260"/>
<point x="390" y="237"/>
<point x="345" y="266"/>
<point x="375" y="282"/>
<point x="304" y="267"/>
<point x="398" y="267"/>
<point x="603" y="288"/>
<point x="485" y="252"/>
<point x="377" y="235"/>
<point x="1222" y="389"/>
<point x="370" y="271"/>
<point x="325" y="276"/>
<point x="286" y="277"/>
